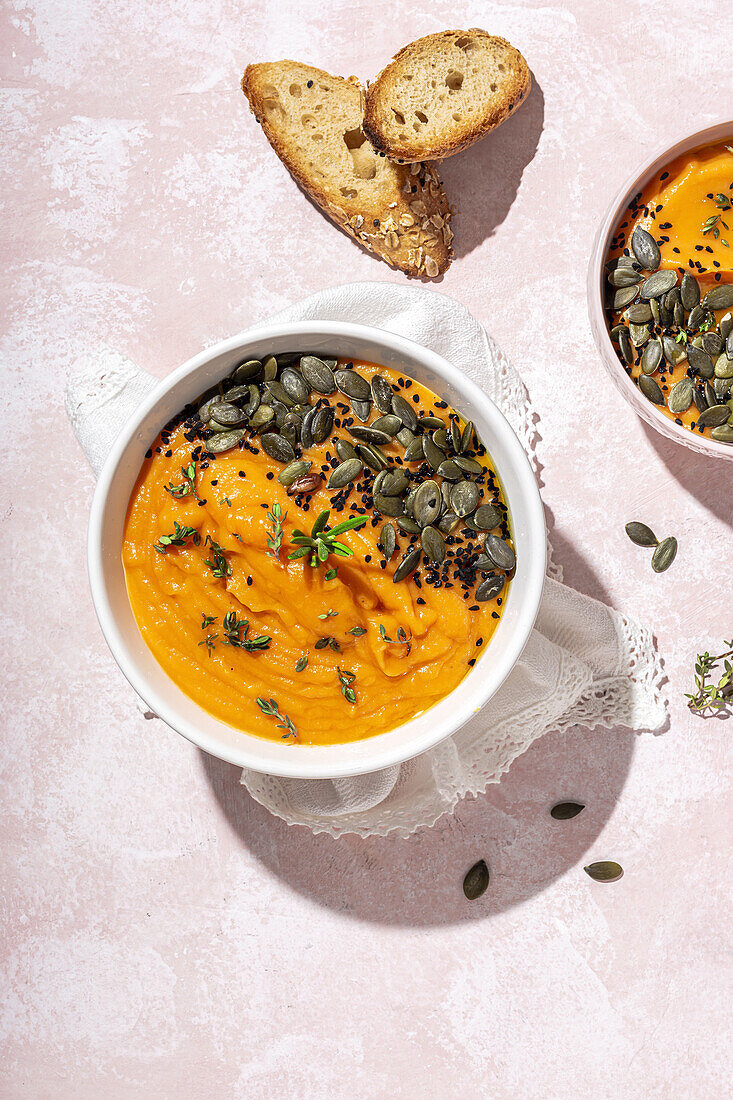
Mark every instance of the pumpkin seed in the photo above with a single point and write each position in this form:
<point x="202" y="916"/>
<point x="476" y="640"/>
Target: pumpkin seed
<point x="487" y="517"/>
<point x="468" y="436"/>
<point x="361" y="409"/>
<point x="713" y="416"/>
<point x="345" y="450"/>
<point x="414" y="451"/>
<point x="464" y="497"/>
<point x="236" y="393"/>
<point x="700" y="360"/>
<point x="322" y="424"/>
<point x="372" y="456"/>
<point x="651" y="357"/>
<point x="455" y="435"/>
<point x="678" y="314"/>
<point x="476" y="881"/>
<point x="262" y="415"/>
<point x="394" y="483"/>
<point x="353" y="385"/>
<point x="277" y="447"/>
<point x="657" y="284"/>
<point x="484" y="563"/>
<point x="389" y="423"/>
<point x="433" y="544"/>
<point x="388" y="506"/>
<point x="726" y="326"/>
<point x="225" y="441"/>
<point x="639" y="314"/>
<point x="711" y="394"/>
<point x="381" y="393"/>
<point x="490" y="587"/>
<point x="387" y="540"/>
<point x="689" y="291"/>
<point x="719" y="297"/>
<point x="405" y="437"/>
<point x="606" y="870"/>
<point x="254" y="401"/>
<point x="468" y="465"/>
<point x="247" y="370"/>
<point x="369" y="435"/>
<point x="624" y="276"/>
<point x="278" y="392"/>
<point x="696" y="318"/>
<point x="269" y="368"/>
<point x="294" y="385"/>
<point x="641" y="534"/>
<point x="407" y="566"/>
<point x="623" y="296"/>
<point x="656" y="312"/>
<point x="433" y="454"/>
<point x="646" y="249"/>
<point x="293" y="471"/>
<point x="500" y="553"/>
<point x="565" y="811"/>
<point x="723" y="433"/>
<point x="723" y="367"/>
<point x="674" y="353"/>
<point x="447" y="522"/>
<point x="408" y="525"/>
<point x="639" y="334"/>
<point x="700" y="400"/>
<point x="229" y="416"/>
<point x="290" y="429"/>
<point x="664" y="554"/>
<point x="680" y="396"/>
<point x="317" y="374"/>
<point x="344" y="473"/>
<point x="450" y="470"/>
<point x="625" y="345"/>
<point x="427" y="503"/>
<point x="405" y="411"/>
<point x="428" y="422"/>
<point x="712" y="343"/>
<point x="651" y="389"/>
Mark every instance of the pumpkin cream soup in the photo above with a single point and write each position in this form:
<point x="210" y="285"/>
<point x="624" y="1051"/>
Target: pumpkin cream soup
<point x="670" y="276"/>
<point x="318" y="551"/>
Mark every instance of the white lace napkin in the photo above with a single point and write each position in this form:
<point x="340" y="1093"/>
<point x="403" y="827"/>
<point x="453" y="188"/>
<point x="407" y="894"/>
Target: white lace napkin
<point x="584" y="663"/>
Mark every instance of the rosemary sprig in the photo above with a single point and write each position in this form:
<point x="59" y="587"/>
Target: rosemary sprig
<point x="710" y="696"/>
<point x="235" y="634"/>
<point x="276" y="517"/>
<point x="178" y="538"/>
<point x="322" y="540"/>
<point x="346" y="679"/>
<point x="270" y="708"/>
<point x="401" y="639"/>
<point x="218" y="563"/>
<point x="189" y="482"/>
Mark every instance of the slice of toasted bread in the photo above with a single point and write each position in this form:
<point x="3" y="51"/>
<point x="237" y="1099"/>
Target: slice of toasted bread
<point x="314" y="123"/>
<point x="442" y="93"/>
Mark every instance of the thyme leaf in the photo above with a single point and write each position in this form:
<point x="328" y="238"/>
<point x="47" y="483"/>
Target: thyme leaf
<point x="270" y="708"/>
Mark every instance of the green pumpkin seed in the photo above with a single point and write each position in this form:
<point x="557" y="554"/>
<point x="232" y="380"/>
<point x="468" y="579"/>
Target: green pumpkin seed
<point x="229" y="416"/>
<point x="389" y="424"/>
<point x="726" y="326"/>
<point x="713" y="344"/>
<point x="701" y="361"/>
<point x="262" y="416"/>
<point x="388" y="506"/>
<point x="369" y="435"/>
<point x="713" y="416"/>
<point x="464" y="497"/>
<point x="680" y="396"/>
<point x="657" y="284"/>
<point x="441" y="439"/>
<point x="277" y="447"/>
<point x="387" y="540"/>
<point x="447" y="522"/>
<point x="295" y="385"/>
<point x="212" y="426"/>
<point x="678" y="314"/>
<point x="639" y="334"/>
<point x="651" y="389"/>
<point x="293" y="471"/>
<point x="674" y="353"/>
<point x="278" y="392"/>
<point x="646" y="249"/>
<point x="353" y="385"/>
<point x="689" y="291"/>
<point x="322" y="424"/>
<point x="450" y="470"/>
<point x="344" y="473"/>
<point x="696" y="318"/>
<point x="476" y="881"/>
<point x="487" y="517"/>
<point x="641" y="534"/>
<point x="455" y="435"/>
<point x="236" y="393"/>
<point x="372" y="456"/>
<point x="719" y="297"/>
<point x="604" y="871"/>
<point x="433" y="454"/>
<point x="711" y="394"/>
<point x="345" y="450"/>
<point x="723" y="433"/>
<point x="651" y="357"/>
<point x="405" y="411"/>
<point x="468" y="465"/>
<point x="428" y="422"/>
<point x="408" y="525"/>
<point x="381" y="393"/>
<point x="270" y="368"/>
<point x="626" y="346"/>
<point x="427" y="503"/>
<point x="623" y="296"/>
<point x="490" y="587"/>
<point x="433" y="544"/>
<point x="664" y="554"/>
<point x="468" y="437"/>
<point x="225" y="441"/>
<point x="405" y="437"/>
<point x="407" y="566"/>
<point x="624" y="276"/>
<point x="414" y="451"/>
<point x="639" y="314"/>
<point x="500" y="553"/>
<point x="206" y="409"/>
<point x="361" y="409"/>
<point x="656" y="311"/>
<point x="723" y="366"/>
<point x="565" y="811"/>
<point x="317" y="374"/>
<point x="394" y="483"/>
<point x="701" y="402"/>
<point x="247" y="370"/>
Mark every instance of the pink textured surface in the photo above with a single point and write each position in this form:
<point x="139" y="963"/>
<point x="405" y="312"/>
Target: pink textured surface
<point x="161" y="935"/>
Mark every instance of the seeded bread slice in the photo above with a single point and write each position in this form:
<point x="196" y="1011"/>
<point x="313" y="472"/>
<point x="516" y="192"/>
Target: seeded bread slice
<point x="313" y="121"/>
<point x="442" y="93"/>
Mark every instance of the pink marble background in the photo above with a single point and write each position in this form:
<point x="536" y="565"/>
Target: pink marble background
<point x="162" y="935"/>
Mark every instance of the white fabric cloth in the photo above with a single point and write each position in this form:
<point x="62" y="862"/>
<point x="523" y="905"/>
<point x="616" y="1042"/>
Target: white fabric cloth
<point x="584" y="663"/>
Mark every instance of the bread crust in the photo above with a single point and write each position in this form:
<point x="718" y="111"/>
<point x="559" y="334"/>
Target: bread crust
<point x="412" y="231"/>
<point x="377" y="114"/>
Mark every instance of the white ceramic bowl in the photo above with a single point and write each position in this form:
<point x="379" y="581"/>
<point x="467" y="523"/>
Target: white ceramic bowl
<point x="146" y="675"/>
<point x="596" y="293"/>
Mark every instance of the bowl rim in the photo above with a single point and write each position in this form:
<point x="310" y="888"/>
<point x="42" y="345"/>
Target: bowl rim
<point x="305" y="761"/>
<point x="665" y="425"/>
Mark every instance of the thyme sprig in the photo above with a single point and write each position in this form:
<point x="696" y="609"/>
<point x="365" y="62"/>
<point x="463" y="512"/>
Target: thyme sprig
<point x="235" y="634"/>
<point x="209" y="641"/>
<point x="711" y="696"/>
<point x="322" y="540"/>
<point x="218" y="563"/>
<point x="188" y="484"/>
<point x="402" y="638"/>
<point x="346" y="679"/>
<point x="270" y="708"/>
<point x="276" y="516"/>
<point x="178" y="538"/>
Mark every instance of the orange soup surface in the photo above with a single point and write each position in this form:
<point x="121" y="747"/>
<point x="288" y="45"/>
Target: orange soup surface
<point x="678" y="337"/>
<point x="339" y="650"/>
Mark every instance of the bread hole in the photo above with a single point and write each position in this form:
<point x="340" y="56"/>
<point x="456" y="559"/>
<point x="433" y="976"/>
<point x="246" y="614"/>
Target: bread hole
<point x="348" y="192"/>
<point x="457" y="116"/>
<point x="454" y="80"/>
<point x="421" y="116"/>
<point x="493" y="87"/>
<point x="308" y="121"/>
<point x="399" y="117"/>
<point x="318" y="107"/>
<point x="273" y="109"/>
<point x="296" y="91"/>
<point x="316" y="137"/>
<point x="416" y="127"/>
<point x="362" y="154"/>
<point x="501" y="68"/>
<point x="466" y="44"/>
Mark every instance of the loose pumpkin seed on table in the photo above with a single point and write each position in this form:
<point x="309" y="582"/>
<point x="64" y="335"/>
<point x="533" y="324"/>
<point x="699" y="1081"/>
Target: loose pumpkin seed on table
<point x="669" y="280"/>
<point x="319" y="489"/>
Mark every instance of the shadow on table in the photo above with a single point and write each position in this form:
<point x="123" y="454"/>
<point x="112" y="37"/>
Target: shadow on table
<point x="483" y="181"/>
<point x="418" y="881"/>
<point x="705" y="478"/>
